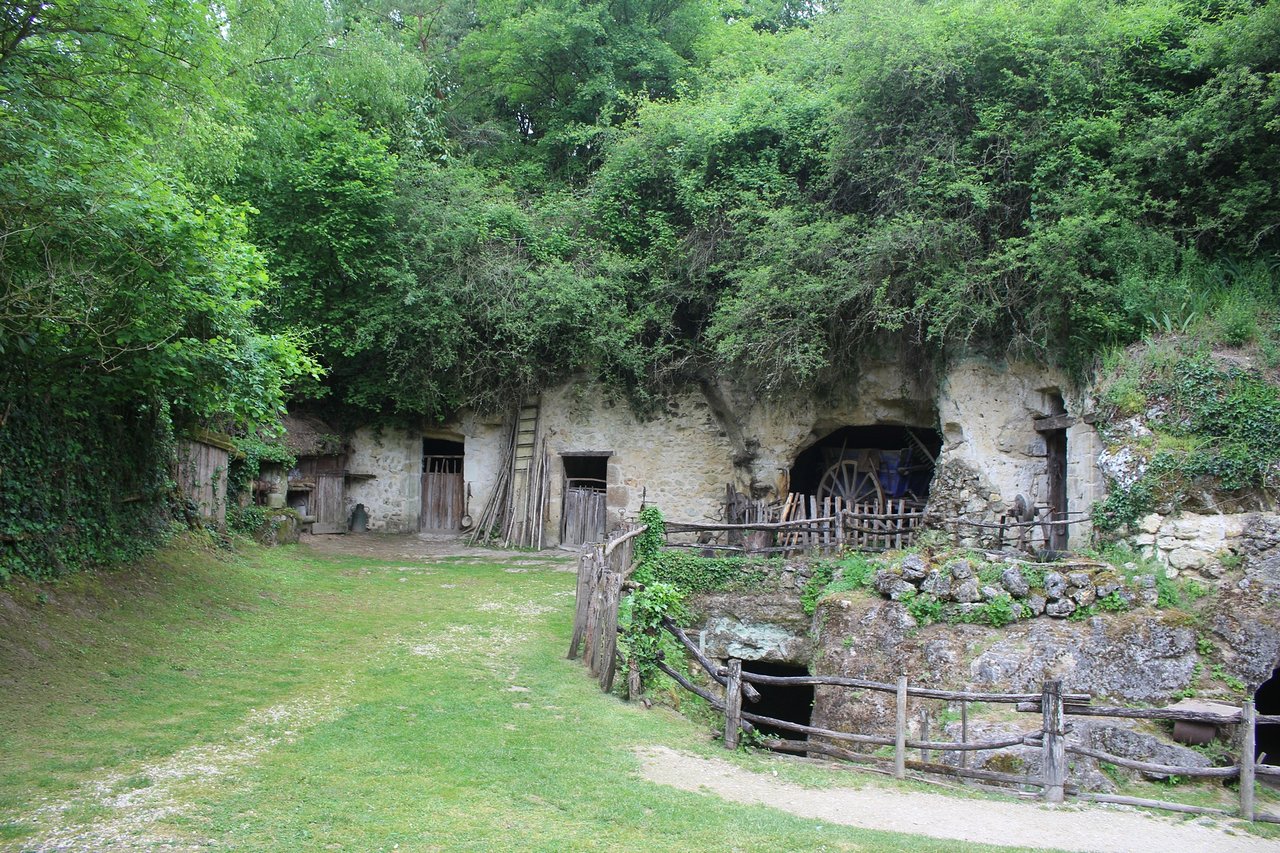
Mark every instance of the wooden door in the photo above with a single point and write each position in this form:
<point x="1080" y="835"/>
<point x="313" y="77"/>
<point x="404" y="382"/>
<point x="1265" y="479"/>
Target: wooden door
<point x="330" y="504"/>
<point x="1055" y="443"/>
<point x="583" y="519"/>
<point x="443" y="493"/>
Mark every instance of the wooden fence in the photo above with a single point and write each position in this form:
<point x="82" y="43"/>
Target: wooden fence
<point x="602" y="576"/>
<point x="601" y="572"/>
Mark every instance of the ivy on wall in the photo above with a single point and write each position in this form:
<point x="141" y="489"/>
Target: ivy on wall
<point x="81" y="487"/>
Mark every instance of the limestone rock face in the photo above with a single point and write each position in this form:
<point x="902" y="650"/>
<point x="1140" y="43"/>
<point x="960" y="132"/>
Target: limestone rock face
<point x="1139" y="746"/>
<point x="1140" y="656"/>
<point x="767" y="626"/>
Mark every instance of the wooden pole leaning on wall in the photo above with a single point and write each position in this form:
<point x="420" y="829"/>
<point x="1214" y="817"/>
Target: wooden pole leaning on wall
<point x="1054" y="758"/>
<point x="1248" y="746"/>
<point x="733" y="704"/>
<point x="900" y="732"/>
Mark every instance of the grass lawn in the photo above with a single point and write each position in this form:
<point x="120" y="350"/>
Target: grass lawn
<point x="285" y="700"/>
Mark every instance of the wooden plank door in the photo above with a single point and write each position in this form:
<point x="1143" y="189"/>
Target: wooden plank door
<point x="443" y="493"/>
<point x="330" y="504"/>
<point x="583" y="520"/>
<point x="1055" y="443"/>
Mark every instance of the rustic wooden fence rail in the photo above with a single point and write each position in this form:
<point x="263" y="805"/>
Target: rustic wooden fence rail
<point x="602" y="574"/>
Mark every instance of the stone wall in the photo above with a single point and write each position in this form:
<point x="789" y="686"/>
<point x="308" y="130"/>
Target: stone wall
<point x="991" y="452"/>
<point x="714" y="435"/>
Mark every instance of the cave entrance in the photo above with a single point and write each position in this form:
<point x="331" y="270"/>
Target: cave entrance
<point x="793" y="703"/>
<point x="869" y="464"/>
<point x="1267" y="701"/>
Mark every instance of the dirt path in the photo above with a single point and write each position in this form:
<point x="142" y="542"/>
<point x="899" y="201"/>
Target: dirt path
<point x="1017" y="824"/>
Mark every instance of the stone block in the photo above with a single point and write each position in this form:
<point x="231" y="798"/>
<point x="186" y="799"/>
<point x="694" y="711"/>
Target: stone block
<point x="616" y="496"/>
<point x="1188" y="558"/>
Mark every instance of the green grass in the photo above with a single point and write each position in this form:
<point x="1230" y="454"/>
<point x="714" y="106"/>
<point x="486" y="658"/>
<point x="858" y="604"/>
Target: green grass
<point x="348" y="704"/>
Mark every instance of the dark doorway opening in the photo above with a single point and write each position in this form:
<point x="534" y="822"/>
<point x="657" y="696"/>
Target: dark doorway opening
<point x="1267" y="701"/>
<point x="586" y="469"/>
<point x="1055" y="446"/>
<point x="781" y="702"/>
<point x="584" y="513"/>
<point x="869" y="463"/>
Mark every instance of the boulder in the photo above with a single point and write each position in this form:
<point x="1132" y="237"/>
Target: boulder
<point x="960" y="569"/>
<point x="966" y="591"/>
<point x="1013" y="581"/>
<point x="938" y="583"/>
<point x="914" y="568"/>
<point x="1060" y="609"/>
<point x="1055" y="585"/>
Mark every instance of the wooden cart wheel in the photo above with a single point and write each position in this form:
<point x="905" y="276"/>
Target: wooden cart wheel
<point x="853" y="481"/>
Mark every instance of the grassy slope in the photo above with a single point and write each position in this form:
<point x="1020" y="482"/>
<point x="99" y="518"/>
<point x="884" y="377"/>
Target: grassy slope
<point x="395" y="720"/>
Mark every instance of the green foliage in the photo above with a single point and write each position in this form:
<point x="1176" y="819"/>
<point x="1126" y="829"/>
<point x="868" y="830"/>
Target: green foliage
<point x="1216" y="423"/>
<point x="925" y="609"/>
<point x="856" y="571"/>
<point x="640" y="622"/>
<point x="692" y="573"/>
<point x="81" y="488"/>
<point x="649" y="543"/>
<point x="1226" y="678"/>
<point x="1033" y="575"/>
<point x="1114" y="603"/>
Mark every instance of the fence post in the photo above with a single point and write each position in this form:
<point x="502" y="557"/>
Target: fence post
<point x="733" y="704"/>
<point x="1054" y="759"/>
<point x="964" y="732"/>
<point x="900" y="732"/>
<point x="1247" y="749"/>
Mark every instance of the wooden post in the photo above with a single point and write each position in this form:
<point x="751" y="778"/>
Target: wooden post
<point x="733" y="704"/>
<point x="900" y="732"/>
<point x="634" y="687"/>
<point x="964" y="732"/>
<point x="1054" y="758"/>
<point x="924" y="733"/>
<point x="1248" y="747"/>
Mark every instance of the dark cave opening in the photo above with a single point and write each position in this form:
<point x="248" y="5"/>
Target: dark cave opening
<point x="898" y="458"/>
<point x="793" y="703"/>
<point x="1267" y="701"/>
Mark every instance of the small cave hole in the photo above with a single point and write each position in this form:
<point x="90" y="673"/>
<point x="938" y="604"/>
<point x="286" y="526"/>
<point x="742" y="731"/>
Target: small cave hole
<point x="1267" y="701"/>
<point x="781" y="702"/>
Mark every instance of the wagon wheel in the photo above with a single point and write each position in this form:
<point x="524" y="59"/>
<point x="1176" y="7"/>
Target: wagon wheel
<point x="853" y="481"/>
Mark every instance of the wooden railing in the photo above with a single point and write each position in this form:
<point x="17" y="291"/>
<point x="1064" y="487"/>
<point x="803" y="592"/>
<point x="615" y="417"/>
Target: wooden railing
<point x="602" y="576"/>
<point x="1051" y="703"/>
<point x="601" y="571"/>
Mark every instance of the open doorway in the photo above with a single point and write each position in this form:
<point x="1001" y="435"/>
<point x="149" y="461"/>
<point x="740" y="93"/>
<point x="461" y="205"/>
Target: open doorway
<point x="443" y="486"/>
<point x="582" y="519"/>
<point x="793" y="703"/>
<point x="1053" y="429"/>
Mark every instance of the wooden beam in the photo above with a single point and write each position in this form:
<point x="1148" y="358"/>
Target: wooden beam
<point x="1053" y="423"/>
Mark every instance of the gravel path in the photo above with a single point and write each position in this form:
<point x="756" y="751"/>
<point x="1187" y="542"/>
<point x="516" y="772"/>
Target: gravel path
<point x="982" y="821"/>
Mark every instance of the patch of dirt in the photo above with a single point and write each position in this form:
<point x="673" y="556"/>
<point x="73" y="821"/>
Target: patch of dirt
<point x="1008" y="823"/>
<point x="427" y="547"/>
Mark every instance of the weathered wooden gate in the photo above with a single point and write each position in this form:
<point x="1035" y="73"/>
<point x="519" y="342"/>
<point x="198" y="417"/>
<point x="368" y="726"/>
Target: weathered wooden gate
<point x="583" y="519"/>
<point x="330" y="504"/>
<point x="443" y="493"/>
